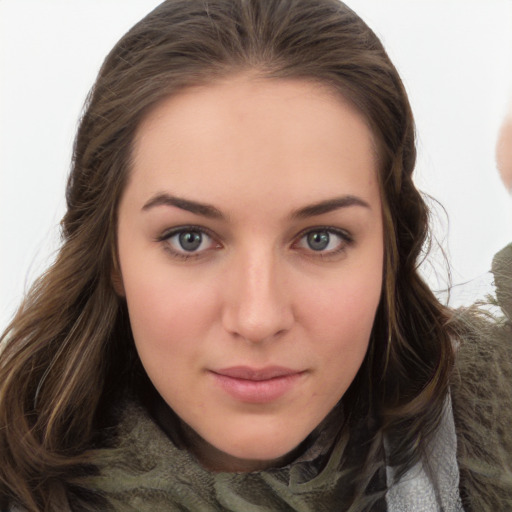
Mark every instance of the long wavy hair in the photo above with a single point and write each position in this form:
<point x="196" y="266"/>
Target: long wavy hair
<point x="69" y="350"/>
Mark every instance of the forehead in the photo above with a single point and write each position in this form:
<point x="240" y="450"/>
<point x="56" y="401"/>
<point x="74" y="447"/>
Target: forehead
<point x="254" y="134"/>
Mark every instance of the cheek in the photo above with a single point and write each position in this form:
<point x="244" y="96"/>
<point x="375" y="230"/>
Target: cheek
<point x="170" y="321"/>
<point x="340" y="319"/>
<point x="346" y="322"/>
<point x="348" y="301"/>
<point x="165" y="307"/>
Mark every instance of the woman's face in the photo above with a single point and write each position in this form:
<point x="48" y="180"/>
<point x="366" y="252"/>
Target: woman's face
<point x="251" y="252"/>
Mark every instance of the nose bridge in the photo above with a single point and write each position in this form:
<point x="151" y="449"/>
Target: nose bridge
<point x="257" y="305"/>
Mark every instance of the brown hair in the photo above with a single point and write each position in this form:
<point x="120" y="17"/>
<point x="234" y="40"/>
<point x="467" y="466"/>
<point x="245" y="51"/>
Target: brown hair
<point x="58" y="371"/>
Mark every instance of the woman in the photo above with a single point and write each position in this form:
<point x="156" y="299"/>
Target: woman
<point x="235" y="320"/>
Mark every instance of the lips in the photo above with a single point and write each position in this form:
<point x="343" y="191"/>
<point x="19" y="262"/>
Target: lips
<point x="257" y="386"/>
<point x="247" y="373"/>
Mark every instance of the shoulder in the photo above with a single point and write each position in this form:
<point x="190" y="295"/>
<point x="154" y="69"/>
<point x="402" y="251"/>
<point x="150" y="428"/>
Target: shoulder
<point x="482" y="396"/>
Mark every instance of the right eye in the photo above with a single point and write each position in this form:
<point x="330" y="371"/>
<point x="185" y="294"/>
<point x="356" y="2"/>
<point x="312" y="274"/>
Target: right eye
<point x="186" y="242"/>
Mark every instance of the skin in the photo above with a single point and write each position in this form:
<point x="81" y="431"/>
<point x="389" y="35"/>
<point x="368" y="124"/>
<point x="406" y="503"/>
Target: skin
<point x="259" y="152"/>
<point x="504" y="150"/>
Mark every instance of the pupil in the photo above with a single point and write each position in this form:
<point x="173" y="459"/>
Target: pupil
<point x="190" y="240"/>
<point x="318" y="240"/>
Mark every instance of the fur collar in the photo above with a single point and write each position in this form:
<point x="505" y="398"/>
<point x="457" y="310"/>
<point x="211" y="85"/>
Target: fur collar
<point x="482" y="399"/>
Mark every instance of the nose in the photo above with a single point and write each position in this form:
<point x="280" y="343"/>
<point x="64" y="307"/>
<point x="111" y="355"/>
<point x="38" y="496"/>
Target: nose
<point x="257" y="304"/>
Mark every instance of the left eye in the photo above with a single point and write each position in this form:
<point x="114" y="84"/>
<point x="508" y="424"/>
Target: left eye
<point x="323" y="240"/>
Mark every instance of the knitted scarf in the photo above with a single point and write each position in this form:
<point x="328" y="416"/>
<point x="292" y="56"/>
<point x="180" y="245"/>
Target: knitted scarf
<point x="153" y="474"/>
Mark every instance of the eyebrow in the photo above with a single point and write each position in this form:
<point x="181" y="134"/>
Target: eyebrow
<point x="207" y="210"/>
<point x="203" y="209"/>
<point x="328" y="206"/>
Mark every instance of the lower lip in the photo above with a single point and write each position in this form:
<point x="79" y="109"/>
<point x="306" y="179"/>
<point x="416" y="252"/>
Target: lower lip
<point x="258" y="391"/>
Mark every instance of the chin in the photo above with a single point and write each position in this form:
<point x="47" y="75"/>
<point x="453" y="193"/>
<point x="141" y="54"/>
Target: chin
<point x="259" y="444"/>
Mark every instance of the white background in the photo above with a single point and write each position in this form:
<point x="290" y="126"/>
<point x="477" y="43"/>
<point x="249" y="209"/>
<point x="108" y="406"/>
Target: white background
<point x="455" y="57"/>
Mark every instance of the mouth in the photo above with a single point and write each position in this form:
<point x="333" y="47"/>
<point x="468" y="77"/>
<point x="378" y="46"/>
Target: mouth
<point x="248" y="373"/>
<point x="252" y="385"/>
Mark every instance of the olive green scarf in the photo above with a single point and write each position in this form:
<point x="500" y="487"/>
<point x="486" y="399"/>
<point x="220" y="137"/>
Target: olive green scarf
<point x="148" y="472"/>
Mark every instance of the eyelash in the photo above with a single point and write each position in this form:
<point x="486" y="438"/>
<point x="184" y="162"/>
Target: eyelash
<point x="345" y="240"/>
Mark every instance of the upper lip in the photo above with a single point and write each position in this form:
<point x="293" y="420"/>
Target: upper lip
<point x="256" y="374"/>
